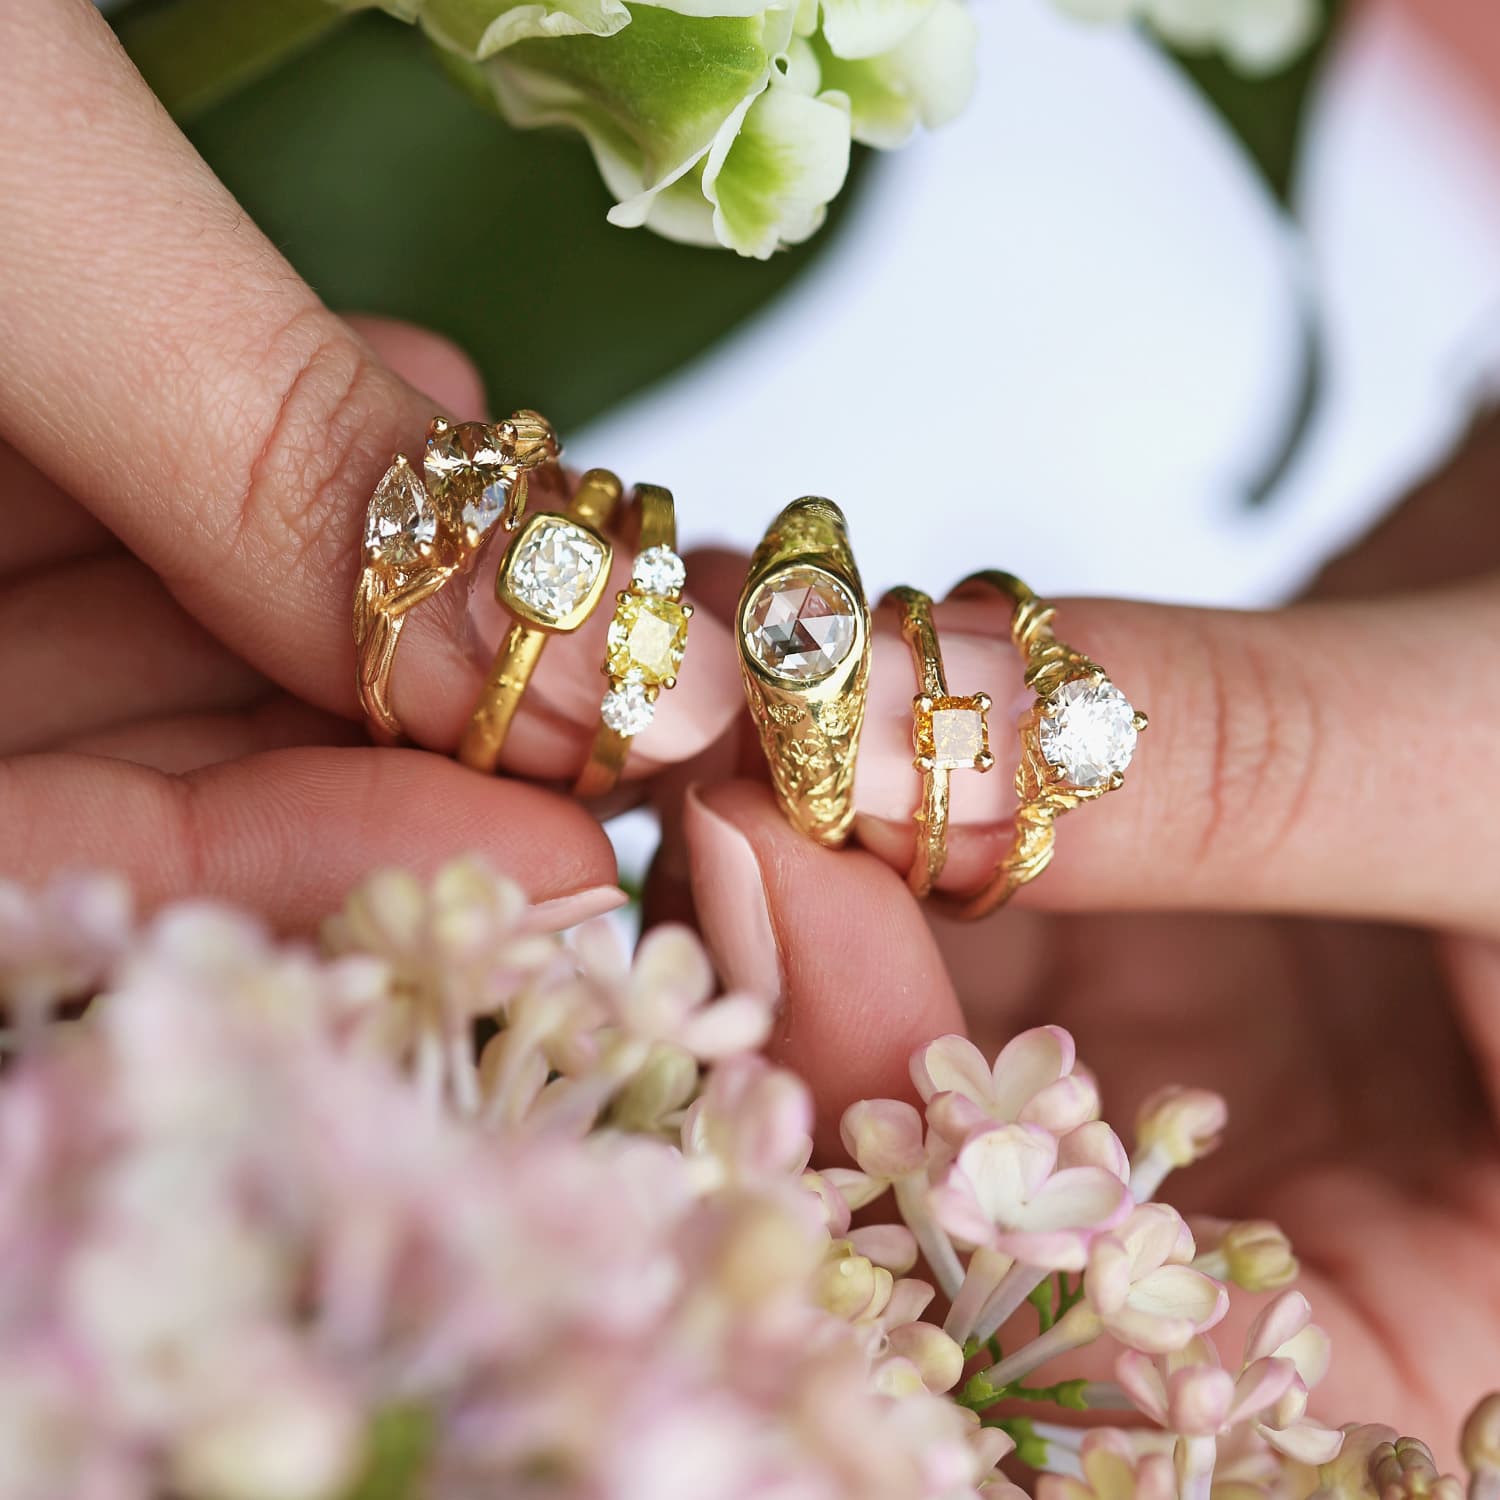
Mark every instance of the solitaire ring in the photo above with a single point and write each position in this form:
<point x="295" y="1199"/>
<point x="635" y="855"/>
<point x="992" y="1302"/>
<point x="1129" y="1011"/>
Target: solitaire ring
<point x="551" y="580"/>
<point x="1077" y="738"/>
<point x="948" y="733"/>
<point x="804" y="642"/>
<point x="421" y="529"/>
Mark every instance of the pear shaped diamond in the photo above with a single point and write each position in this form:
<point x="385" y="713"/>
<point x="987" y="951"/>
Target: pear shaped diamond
<point x="470" y="472"/>
<point x="400" y="520"/>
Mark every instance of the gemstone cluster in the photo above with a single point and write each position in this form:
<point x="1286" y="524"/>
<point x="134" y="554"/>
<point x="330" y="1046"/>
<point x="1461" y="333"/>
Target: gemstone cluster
<point x="647" y="641"/>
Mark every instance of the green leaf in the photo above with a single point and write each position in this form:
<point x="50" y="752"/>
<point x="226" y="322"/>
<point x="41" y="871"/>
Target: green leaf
<point x="195" y="52"/>
<point x="397" y="1450"/>
<point x="1265" y="113"/>
<point x="393" y="194"/>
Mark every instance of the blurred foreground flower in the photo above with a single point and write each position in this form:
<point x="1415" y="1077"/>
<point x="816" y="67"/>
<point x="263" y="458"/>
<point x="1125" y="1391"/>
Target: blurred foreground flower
<point x="1255" y="36"/>
<point x="458" y="1208"/>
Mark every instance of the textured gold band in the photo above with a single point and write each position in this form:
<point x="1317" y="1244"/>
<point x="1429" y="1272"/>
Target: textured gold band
<point x="657" y="516"/>
<point x="593" y="505"/>
<point x="419" y="533"/>
<point x="809" y="725"/>
<point x="1043" y="793"/>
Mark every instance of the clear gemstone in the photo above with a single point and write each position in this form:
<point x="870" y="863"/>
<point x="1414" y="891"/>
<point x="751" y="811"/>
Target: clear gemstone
<point x="628" y="709"/>
<point x="400" y="519"/>
<point x="466" y="468"/>
<point x="1091" y="734"/>
<point x="647" y="639"/>
<point x="659" y="570"/>
<point x="800" y="624"/>
<point x="554" y="566"/>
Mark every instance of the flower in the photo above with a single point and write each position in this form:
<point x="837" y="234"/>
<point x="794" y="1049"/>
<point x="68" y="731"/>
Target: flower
<point x="1032" y="1081"/>
<point x="1251" y="1253"/>
<point x="1174" y="1128"/>
<point x="1113" y="1468"/>
<point x="1256" y="36"/>
<point x="1004" y="1191"/>
<point x="721" y="122"/>
<point x="59" y="943"/>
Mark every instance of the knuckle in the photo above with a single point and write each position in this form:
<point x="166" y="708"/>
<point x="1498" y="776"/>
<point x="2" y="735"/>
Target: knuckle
<point x="1261" y="716"/>
<point x="325" y="424"/>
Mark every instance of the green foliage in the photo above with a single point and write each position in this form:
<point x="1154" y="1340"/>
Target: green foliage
<point x="393" y="194"/>
<point x="396" y="1454"/>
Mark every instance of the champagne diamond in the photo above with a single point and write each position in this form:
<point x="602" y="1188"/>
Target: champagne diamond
<point x="1089" y="731"/>
<point x="400" y="519"/>
<point x="553" y="567"/>
<point x="800" y="624"/>
<point x="953" y="734"/>
<point x="467" y="469"/>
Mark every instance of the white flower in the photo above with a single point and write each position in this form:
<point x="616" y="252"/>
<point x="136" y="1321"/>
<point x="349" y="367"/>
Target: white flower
<point x="1257" y="36"/>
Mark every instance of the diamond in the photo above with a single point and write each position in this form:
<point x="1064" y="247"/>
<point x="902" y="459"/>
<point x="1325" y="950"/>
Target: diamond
<point x="467" y="469"/>
<point x="800" y="624"/>
<point x="659" y="570"/>
<point x="628" y="708"/>
<point x="400" y="520"/>
<point x="1089" y="731"/>
<point x="953" y="734"/>
<point x="554" y="566"/>
<point x="647" y="639"/>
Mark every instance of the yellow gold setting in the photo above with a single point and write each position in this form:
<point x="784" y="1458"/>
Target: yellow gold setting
<point x="421" y="529"/>
<point x="552" y="579"/>
<point x="803" y="631"/>
<point x="646" y="643"/>
<point x="949" y="733"/>
<point x="1076" y="738"/>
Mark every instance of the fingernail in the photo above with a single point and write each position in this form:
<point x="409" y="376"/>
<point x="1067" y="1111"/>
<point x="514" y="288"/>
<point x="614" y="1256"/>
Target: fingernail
<point x="730" y="894"/>
<point x="581" y="906"/>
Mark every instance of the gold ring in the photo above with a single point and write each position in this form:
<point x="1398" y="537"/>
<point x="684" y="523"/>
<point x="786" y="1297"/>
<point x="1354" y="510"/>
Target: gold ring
<point x="552" y="579"/>
<point x="1076" y="739"/>
<point x="647" y="639"/>
<point x="419" y="534"/>
<point x="948" y="733"/>
<point x="804" y="643"/>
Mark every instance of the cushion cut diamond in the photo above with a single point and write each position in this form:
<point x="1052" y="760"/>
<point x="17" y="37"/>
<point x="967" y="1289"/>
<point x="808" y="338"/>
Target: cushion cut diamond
<point x="554" y="566"/>
<point x="647" y="639"/>
<point x="800" y="624"/>
<point x="1089" y="732"/>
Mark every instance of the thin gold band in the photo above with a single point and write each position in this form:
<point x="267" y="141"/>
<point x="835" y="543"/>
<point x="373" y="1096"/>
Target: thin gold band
<point x="931" y="817"/>
<point x="1043" y="792"/>
<point x="593" y="504"/>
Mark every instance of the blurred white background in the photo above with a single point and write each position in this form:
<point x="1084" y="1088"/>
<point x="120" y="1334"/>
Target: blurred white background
<point x="1061" y="334"/>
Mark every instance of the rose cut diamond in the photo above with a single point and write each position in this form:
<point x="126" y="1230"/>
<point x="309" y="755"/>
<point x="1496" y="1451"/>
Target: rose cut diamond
<point x="554" y="566"/>
<point x="628" y="709"/>
<point x="1089" y="733"/>
<point x="800" y="624"/>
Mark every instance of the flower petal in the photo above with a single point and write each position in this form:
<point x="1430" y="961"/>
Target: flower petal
<point x="1281" y="1319"/>
<point x="884" y="1136"/>
<point x="1027" y="1063"/>
<point x="951" y="1064"/>
<point x="1077" y="1198"/>
<point x="1307" y="1442"/>
<point x="1006" y="1167"/>
<point x="863" y="28"/>
<point x="1178" y="1292"/>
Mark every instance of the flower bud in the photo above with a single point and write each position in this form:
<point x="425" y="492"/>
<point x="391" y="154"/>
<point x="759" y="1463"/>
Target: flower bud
<point x="1406" y="1470"/>
<point x="937" y="1357"/>
<point x="1182" y="1124"/>
<point x="663" y="1086"/>
<point x="1258" y="1256"/>
<point x="850" y="1286"/>
<point x="1480" y="1441"/>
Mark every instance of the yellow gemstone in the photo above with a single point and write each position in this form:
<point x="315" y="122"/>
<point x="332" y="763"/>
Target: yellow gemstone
<point x="954" y="733"/>
<point x="647" y="638"/>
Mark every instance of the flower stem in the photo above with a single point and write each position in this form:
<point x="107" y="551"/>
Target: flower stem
<point x="937" y="1249"/>
<point x="1071" y="1332"/>
<point x="1015" y="1287"/>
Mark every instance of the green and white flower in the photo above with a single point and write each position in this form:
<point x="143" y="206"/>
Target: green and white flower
<point x="1256" y="36"/>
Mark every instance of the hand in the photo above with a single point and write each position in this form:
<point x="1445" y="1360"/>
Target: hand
<point x="188" y="439"/>
<point x="1294" y="900"/>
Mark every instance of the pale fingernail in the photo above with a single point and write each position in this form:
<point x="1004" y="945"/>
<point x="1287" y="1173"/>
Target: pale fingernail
<point x="581" y="906"/>
<point x="730" y="895"/>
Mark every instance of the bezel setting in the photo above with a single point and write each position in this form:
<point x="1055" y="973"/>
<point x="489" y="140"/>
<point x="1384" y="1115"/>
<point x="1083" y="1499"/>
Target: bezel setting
<point x="517" y="588"/>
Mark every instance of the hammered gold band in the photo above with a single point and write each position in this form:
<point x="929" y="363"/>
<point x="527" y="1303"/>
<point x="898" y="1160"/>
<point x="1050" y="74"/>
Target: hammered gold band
<point x="647" y="638"/>
<point x="948" y="733"/>
<point x="551" y="580"/>
<point x="422" y="529"/>
<point x="803" y="631"/>
<point x="1056" y="773"/>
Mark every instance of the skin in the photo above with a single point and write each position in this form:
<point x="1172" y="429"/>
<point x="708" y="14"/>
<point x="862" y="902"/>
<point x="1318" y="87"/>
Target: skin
<point x="1292" y="901"/>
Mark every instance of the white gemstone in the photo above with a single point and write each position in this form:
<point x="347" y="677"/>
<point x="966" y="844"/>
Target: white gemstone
<point x="799" y="624"/>
<point x="659" y="570"/>
<point x="1091" y="734"/>
<point x="483" y="512"/>
<point x="554" y="567"/>
<point x="400" y="519"/>
<point x="628" y="709"/>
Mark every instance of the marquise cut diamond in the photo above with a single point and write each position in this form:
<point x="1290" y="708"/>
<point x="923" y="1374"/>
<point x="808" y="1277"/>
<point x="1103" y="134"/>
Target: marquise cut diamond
<point x="1089" y="733"/>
